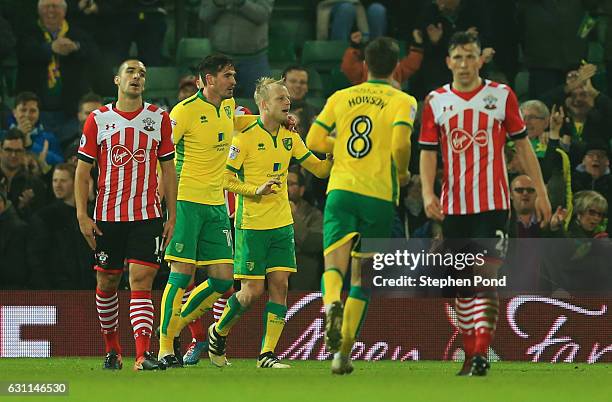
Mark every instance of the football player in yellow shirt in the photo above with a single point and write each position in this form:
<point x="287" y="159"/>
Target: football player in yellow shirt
<point x="265" y="247"/>
<point x="203" y="127"/>
<point x="371" y="151"/>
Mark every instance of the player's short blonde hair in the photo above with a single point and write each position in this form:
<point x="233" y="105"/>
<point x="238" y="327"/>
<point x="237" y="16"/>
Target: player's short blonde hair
<point x="262" y="89"/>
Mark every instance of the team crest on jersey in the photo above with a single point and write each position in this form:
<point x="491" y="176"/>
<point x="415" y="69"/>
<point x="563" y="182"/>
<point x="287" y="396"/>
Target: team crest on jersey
<point x="102" y="259"/>
<point x="83" y="141"/>
<point x="228" y="111"/>
<point x="121" y="156"/>
<point x="288" y="143"/>
<point x="149" y="122"/>
<point x="490" y="102"/>
<point x="460" y="140"/>
<point x="234" y="151"/>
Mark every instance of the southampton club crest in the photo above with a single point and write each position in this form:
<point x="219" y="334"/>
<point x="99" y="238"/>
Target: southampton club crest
<point x="288" y="143"/>
<point x="148" y="124"/>
<point x="228" y="111"/>
<point x="102" y="259"/>
<point x="490" y="102"/>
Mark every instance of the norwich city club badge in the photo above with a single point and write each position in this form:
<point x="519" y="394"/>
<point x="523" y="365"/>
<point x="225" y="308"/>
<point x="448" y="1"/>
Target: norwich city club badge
<point x="228" y="111"/>
<point x="288" y="143"/>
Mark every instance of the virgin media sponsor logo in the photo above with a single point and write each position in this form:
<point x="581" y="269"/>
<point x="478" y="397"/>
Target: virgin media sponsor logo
<point x="121" y="155"/>
<point x="460" y="140"/>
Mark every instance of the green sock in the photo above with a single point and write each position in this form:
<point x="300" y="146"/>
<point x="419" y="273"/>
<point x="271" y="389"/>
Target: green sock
<point x="232" y="312"/>
<point x="202" y="298"/>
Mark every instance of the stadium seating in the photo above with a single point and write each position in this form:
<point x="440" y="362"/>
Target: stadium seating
<point x="323" y="55"/>
<point x="281" y="53"/>
<point x="190" y="51"/>
<point x="162" y="85"/>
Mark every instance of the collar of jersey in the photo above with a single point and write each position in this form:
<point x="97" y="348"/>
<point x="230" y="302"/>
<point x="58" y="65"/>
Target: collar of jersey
<point x="203" y="98"/>
<point x="274" y="136"/>
<point x="379" y="82"/>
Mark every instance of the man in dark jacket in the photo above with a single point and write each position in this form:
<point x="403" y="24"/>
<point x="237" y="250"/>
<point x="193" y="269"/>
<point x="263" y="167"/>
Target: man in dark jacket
<point x="63" y="258"/>
<point x="14" y="272"/>
<point x="53" y="60"/>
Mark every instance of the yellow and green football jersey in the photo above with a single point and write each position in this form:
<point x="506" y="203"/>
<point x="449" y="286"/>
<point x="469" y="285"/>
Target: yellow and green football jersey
<point x="202" y="134"/>
<point x="364" y="116"/>
<point x="257" y="156"/>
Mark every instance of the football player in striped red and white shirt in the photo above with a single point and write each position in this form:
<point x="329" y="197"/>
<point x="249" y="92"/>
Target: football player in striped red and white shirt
<point x="469" y="121"/>
<point x="127" y="139"/>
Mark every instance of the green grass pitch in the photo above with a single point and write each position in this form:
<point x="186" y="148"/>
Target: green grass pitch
<point x="381" y="381"/>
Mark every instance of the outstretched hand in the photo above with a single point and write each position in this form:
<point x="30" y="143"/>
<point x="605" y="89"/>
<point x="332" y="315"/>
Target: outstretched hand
<point x="267" y="187"/>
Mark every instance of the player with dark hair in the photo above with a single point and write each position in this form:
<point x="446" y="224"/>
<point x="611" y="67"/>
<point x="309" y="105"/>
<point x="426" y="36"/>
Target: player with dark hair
<point x="203" y="128"/>
<point x="127" y="139"/>
<point x="469" y="121"/>
<point x="371" y="151"/>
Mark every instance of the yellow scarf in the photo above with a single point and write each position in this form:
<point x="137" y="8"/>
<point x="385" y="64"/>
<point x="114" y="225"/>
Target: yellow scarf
<point x="53" y="69"/>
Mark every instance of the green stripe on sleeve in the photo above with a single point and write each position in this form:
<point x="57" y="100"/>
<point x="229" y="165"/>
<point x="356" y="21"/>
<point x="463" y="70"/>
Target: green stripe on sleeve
<point x="325" y="126"/>
<point x="402" y="123"/>
<point x="303" y="158"/>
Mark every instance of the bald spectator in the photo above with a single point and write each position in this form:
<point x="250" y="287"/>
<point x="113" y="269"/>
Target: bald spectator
<point x="53" y="62"/>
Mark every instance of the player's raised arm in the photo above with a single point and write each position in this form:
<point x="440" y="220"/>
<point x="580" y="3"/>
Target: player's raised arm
<point x="530" y="162"/>
<point x="316" y="166"/>
<point x="318" y="138"/>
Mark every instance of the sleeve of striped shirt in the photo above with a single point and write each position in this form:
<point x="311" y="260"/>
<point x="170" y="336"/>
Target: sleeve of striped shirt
<point x="165" y="151"/>
<point x="514" y="123"/>
<point x="429" y="136"/>
<point x="88" y="147"/>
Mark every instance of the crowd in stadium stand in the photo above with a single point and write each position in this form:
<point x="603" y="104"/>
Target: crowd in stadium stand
<point x="57" y="59"/>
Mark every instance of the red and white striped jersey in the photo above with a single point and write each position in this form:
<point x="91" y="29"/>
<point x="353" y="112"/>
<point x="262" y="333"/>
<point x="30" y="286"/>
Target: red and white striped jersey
<point x="127" y="146"/>
<point x="471" y="130"/>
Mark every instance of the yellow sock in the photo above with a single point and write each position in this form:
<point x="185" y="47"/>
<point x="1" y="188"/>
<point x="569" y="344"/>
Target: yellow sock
<point x="355" y="310"/>
<point x="274" y="322"/>
<point x="202" y="298"/>
<point x="331" y="285"/>
<point x="170" y="311"/>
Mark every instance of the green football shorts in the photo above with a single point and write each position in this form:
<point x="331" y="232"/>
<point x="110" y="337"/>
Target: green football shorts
<point x="202" y="235"/>
<point x="259" y="252"/>
<point x="351" y="216"/>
